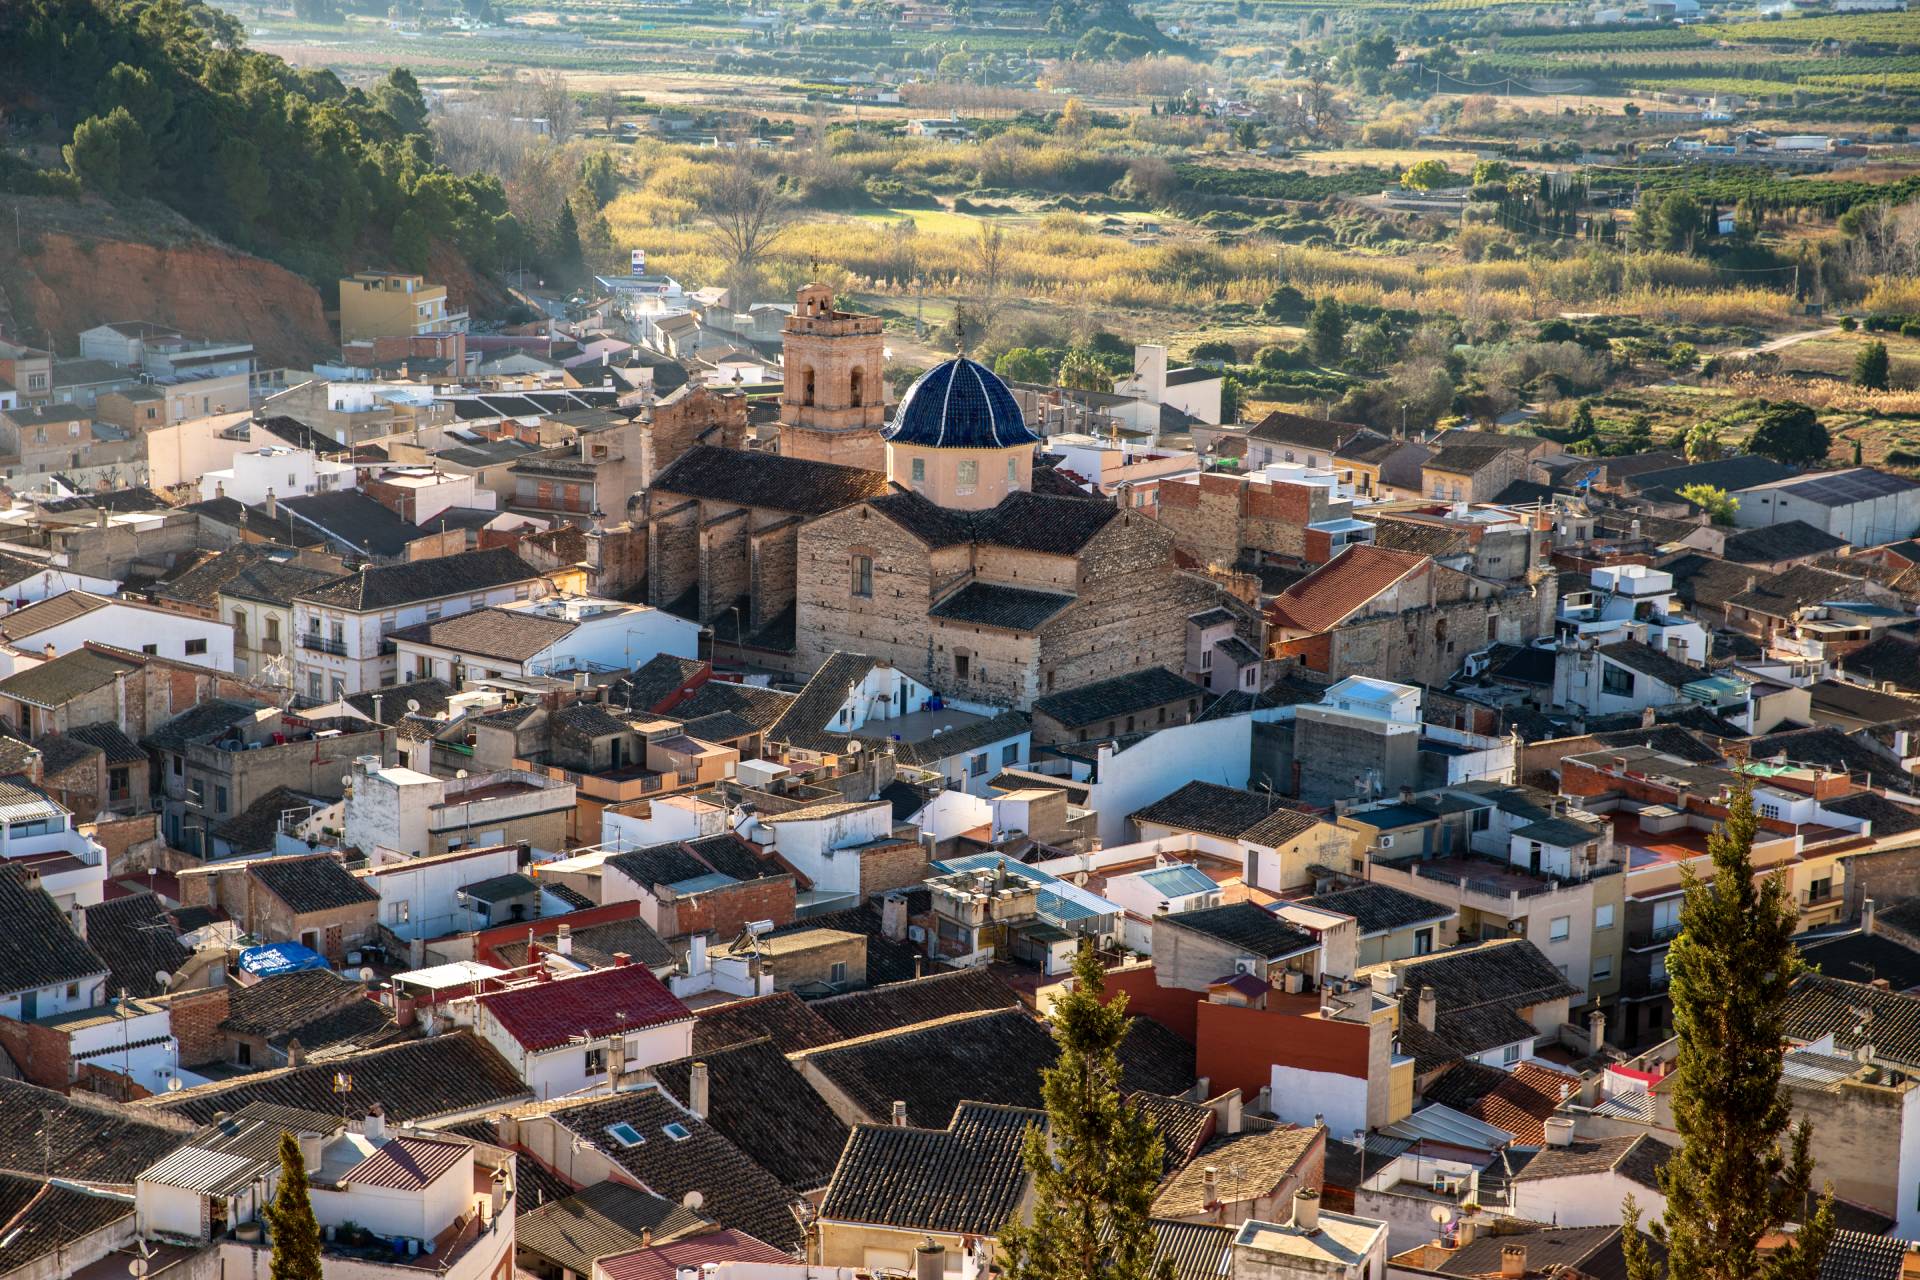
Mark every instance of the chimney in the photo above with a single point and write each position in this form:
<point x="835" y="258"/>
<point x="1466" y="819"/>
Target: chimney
<point x="48" y="651"/>
<point x="1306" y="1209"/>
<point x="296" y="1053"/>
<point x="1596" y="1031"/>
<point x="1513" y="1261"/>
<point x="375" y="1126"/>
<point x="899" y="1114"/>
<point x="273" y="505"/>
<point x="563" y="940"/>
<point x="1646" y="718"/>
<point x="893" y="916"/>
<point x="1866" y="917"/>
<point x="120" y="698"/>
<point x="929" y="1260"/>
<point x="697" y="1090"/>
<point x="1406" y="795"/>
<point x="1212" y="1184"/>
<point x="219" y="489"/>
<point x="540" y="973"/>
<point x="646" y="1237"/>
<point x="622" y="959"/>
<point x="1559" y="1131"/>
<point x="1429" y="1007"/>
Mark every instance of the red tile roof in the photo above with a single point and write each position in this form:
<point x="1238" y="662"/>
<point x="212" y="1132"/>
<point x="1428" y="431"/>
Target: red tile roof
<point x="662" y="1261"/>
<point x="408" y="1164"/>
<point x="1342" y="586"/>
<point x="542" y="1015"/>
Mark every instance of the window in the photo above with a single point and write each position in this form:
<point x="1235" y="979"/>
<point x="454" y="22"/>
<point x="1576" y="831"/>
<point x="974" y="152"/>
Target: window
<point x="1559" y="928"/>
<point x="1206" y="659"/>
<point x="1510" y="1054"/>
<point x="676" y="1131"/>
<point x="152" y="650"/>
<point x="596" y="1061"/>
<point x="273" y="629"/>
<point x="967" y="475"/>
<point x="1422" y="942"/>
<point x="960" y="666"/>
<point x="1481" y="819"/>
<point x="856" y="388"/>
<point x="1603" y="917"/>
<point x="313" y="688"/>
<point x="1768" y="809"/>
<point x="863" y="577"/>
<point x="977" y="765"/>
<point x="176" y="765"/>
<point x="339" y="688"/>
<point x="1617" y="681"/>
<point x="919" y="470"/>
<point x="399" y="912"/>
<point x="1602" y="968"/>
<point x="837" y="973"/>
<point x="219" y="799"/>
<point x="1010" y="754"/>
<point x="197" y="646"/>
<point x="117" y="781"/>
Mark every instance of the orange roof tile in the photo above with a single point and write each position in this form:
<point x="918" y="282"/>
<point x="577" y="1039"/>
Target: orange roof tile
<point x="1342" y="586"/>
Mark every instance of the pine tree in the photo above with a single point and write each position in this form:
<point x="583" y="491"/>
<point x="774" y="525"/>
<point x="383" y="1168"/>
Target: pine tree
<point x="296" y="1236"/>
<point x="1096" y="1170"/>
<point x="566" y="253"/>
<point x="1741" y="1170"/>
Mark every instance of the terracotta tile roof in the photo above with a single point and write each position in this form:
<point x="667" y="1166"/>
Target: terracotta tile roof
<point x="965" y="1178"/>
<point x="84" y="1136"/>
<point x="510" y="635"/>
<point x="605" y="1218"/>
<point x="1262" y="1158"/>
<point x="1105" y="699"/>
<point x="543" y="1015"/>
<point x="761" y="1104"/>
<point x="596" y="944"/>
<point x="312" y="884"/>
<point x="768" y="480"/>
<point x="1518" y="1101"/>
<point x="782" y="1017"/>
<point x="38" y="947"/>
<point x="735" y="1191"/>
<point x="1342" y="587"/>
<point x="43" y="1217"/>
<point x="137" y="939"/>
<point x="1183" y="1126"/>
<point x="901" y="1004"/>
<point x="445" y="1075"/>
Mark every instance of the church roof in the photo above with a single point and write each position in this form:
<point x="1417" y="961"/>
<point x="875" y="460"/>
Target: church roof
<point x="960" y="404"/>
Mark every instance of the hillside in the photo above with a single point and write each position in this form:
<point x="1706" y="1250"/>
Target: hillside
<point x="85" y="263"/>
<point x="133" y="103"/>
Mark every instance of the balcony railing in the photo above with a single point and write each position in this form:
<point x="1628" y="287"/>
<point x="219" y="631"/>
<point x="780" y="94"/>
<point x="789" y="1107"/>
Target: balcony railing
<point x="1652" y="936"/>
<point x="322" y="644"/>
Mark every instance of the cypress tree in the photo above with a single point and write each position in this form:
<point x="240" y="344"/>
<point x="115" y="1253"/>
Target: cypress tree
<point x="296" y="1236"/>
<point x="1096" y="1171"/>
<point x="1742" y="1169"/>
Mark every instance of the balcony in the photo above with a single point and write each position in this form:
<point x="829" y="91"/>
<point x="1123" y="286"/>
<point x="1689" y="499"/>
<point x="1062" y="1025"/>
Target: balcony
<point x="318" y="643"/>
<point x="1650" y="936"/>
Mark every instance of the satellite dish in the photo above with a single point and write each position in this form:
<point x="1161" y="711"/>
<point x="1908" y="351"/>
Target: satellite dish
<point x="346" y="779"/>
<point x="1440" y="1213"/>
<point x="366" y="973"/>
<point x="460" y="773"/>
<point x="853" y="746"/>
<point x="413" y="705"/>
<point x="162" y="977"/>
<point x="692" y="1200"/>
<point x="175" y="1084"/>
<point x="138" y="1267"/>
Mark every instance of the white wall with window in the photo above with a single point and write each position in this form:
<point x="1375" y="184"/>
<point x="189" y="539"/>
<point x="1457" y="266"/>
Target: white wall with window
<point x="163" y="633"/>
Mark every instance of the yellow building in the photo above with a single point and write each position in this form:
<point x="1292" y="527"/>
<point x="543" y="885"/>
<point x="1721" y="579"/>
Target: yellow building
<point x="392" y="304"/>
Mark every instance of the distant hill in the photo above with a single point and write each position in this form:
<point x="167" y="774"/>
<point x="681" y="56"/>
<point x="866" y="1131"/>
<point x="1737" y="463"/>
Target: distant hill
<point x="131" y="100"/>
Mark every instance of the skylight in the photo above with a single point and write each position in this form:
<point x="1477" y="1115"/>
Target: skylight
<point x="625" y="1134"/>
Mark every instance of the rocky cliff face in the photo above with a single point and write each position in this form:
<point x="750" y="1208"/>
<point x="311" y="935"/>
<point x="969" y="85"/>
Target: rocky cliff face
<point x="83" y="264"/>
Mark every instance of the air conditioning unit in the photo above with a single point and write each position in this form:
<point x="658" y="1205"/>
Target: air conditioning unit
<point x="1244" y="965"/>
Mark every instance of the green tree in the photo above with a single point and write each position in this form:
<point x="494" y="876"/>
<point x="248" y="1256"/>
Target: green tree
<point x="564" y="252"/>
<point x="1082" y="371"/>
<point x="110" y="154"/>
<point x="1871" y="368"/>
<point x="1682" y="357"/>
<point x="1491" y="171"/>
<point x="600" y="177"/>
<point x="1743" y="1169"/>
<point x="1327" y="330"/>
<point x="1233" y="398"/>
<point x="1096" y="1167"/>
<point x="1716" y="502"/>
<point x="1426" y="174"/>
<point x="1213" y="352"/>
<point x="1023" y="364"/>
<point x="296" y="1236"/>
<point x="1792" y="434"/>
<point x="1702" y="443"/>
<point x="1858" y="453"/>
<point x="1285" y="303"/>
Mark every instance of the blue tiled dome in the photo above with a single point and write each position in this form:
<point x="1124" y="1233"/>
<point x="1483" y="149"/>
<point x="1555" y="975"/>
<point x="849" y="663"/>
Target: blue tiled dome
<point x="960" y="404"/>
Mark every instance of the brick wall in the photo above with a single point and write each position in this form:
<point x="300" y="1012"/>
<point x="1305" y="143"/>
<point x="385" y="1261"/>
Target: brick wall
<point x="896" y="866"/>
<point x="727" y="910"/>
<point x="131" y="843"/>
<point x="40" y="1053"/>
<point x="1429" y="643"/>
<point x="724" y="577"/>
<point x="892" y="623"/>
<point x="773" y="571"/>
<point x="196" y="1017"/>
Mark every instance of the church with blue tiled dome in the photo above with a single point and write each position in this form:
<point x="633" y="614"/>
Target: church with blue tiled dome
<point x="959" y="439"/>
